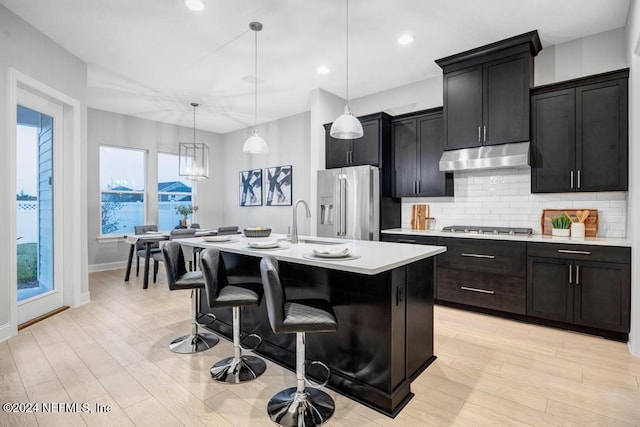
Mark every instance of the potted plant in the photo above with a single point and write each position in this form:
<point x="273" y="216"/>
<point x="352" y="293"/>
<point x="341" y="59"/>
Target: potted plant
<point x="185" y="211"/>
<point x="561" y="225"/>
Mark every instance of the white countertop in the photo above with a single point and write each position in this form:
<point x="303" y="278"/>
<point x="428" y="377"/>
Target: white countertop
<point x="374" y="257"/>
<point x="599" y="241"/>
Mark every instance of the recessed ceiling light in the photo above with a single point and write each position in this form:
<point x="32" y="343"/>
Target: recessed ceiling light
<point x="196" y="5"/>
<point x="322" y="70"/>
<point x="405" y="39"/>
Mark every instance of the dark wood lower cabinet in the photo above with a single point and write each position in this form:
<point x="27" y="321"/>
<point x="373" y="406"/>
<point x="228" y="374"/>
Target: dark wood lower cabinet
<point x="592" y="294"/>
<point x="586" y="288"/>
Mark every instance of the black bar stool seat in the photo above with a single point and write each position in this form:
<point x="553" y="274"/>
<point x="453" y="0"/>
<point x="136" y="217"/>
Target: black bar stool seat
<point x="239" y="368"/>
<point x="300" y="405"/>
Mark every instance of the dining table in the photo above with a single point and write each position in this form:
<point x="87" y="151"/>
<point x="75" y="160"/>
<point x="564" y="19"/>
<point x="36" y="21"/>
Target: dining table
<point x="148" y="239"/>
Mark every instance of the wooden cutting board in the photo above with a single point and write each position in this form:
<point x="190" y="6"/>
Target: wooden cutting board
<point x="419" y="217"/>
<point x="590" y="224"/>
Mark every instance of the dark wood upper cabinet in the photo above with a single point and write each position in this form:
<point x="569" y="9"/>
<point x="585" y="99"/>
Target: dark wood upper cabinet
<point x="579" y="135"/>
<point x="417" y="148"/>
<point x="367" y="150"/>
<point x="486" y="93"/>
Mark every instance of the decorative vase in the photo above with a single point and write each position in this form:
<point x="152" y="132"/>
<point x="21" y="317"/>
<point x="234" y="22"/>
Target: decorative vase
<point x="577" y="230"/>
<point x="186" y="222"/>
<point x="560" y="232"/>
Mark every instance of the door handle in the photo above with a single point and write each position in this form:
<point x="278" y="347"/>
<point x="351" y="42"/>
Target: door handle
<point x="399" y="294"/>
<point x="577" y="274"/>
<point x="479" y="133"/>
<point x="338" y="196"/>
<point x="571" y="179"/>
<point x="484" y="131"/>
<point x="418" y="186"/>
<point x="578" y="178"/>
<point x="343" y="206"/>
<point x="405" y="241"/>
<point x="570" y="274"/>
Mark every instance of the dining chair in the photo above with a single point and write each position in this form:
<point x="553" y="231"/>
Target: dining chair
<point x="177" y="233"/>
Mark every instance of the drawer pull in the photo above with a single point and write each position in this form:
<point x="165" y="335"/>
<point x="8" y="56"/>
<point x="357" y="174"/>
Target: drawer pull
<point x="481" y="291"/>
<point x="569" y="251"/>
<point x="405" y="241"/>
<point x="479" y="256"/>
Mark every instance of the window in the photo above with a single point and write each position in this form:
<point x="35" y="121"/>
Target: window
<point x="173" y="190"/>
<point x="122" y="189"/>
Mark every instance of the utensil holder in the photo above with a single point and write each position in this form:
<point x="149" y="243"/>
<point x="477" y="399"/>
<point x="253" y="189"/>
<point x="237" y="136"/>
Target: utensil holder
<point x="577" y="230"/>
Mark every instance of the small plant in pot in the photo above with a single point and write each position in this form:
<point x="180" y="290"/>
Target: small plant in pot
<point x="185" y="211"/>
<point x="561" y="225"/>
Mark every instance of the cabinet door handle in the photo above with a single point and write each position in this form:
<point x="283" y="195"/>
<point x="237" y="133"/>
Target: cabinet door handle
<point x="478" y="256"/>
<point x="570" y="274"/>
<point x="479" y="133"/>
<point x="577" y="274"/>
<point x="571" y="179"/>
<point x="569" y="251"/>
<point x="418" y="186"/>
<point x="480" y="291"/>
<point x="405" y="240"/>
<point x="578" y="178"/>
<point x="484" y="131"/>
<point x="347" y="157"/>
<point x="399" y="294"/>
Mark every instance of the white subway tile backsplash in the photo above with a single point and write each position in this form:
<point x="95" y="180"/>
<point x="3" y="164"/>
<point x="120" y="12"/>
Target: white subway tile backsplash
<point x="503" y="197"/>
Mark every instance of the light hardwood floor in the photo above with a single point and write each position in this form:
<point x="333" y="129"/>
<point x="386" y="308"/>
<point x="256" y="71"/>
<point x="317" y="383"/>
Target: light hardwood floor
<point x="490" y="371"/>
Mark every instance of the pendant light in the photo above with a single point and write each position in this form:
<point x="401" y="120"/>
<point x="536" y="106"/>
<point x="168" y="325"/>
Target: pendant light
<point x="255" y="144"/>
<point x="193" y="156"/>
<point x="347" y="126"/>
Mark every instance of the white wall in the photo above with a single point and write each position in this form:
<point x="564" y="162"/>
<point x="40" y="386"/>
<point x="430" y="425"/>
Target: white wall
<point x="38" y="58"/>
<point x="594" y="54"/>
<point x="289" y="144"/>
<point x="632" y="46"/>
<point x="503" y="197"/>
<point x="106" y="128"/>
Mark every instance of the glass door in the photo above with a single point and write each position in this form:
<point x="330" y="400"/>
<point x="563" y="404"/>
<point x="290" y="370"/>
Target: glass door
<point x="38" y="136"/>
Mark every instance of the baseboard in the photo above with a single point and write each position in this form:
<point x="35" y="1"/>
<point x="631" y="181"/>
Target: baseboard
<point x="85" y="297"/>
<point x="6" y="332"/>
<point x="107" y="266"/>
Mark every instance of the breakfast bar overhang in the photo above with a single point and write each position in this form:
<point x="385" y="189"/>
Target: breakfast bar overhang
<point x="383" y="301"/>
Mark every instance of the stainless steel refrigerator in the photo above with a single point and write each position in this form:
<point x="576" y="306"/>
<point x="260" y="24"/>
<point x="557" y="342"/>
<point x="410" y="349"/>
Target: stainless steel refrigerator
<point x="349" y="203"/>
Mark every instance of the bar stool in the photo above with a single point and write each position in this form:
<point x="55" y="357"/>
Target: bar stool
<point x="297" y="406"/>
<point x="179" y="278"/>
<point x="238" y="368"/>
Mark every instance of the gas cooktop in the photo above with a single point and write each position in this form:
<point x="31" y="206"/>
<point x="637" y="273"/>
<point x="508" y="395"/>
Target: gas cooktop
<point x="488" y="230"/>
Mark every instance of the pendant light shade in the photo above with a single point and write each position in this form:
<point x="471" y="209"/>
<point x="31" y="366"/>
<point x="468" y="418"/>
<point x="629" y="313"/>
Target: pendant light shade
<point x="347" y="126"/>
<point x="193" y="156"/>
<point x="255" y="144"/>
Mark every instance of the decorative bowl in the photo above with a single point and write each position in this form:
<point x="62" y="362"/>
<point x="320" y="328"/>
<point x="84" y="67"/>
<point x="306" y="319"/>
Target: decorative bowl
<point x="265" y="232"/>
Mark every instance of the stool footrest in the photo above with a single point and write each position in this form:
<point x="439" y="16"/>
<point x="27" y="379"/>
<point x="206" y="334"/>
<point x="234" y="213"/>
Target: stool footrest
<point x="258" y="337"/>
<point x="322" y="384"/>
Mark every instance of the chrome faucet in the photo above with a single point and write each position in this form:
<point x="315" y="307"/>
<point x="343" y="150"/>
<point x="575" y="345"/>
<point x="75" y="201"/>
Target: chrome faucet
<point x="294" y="227"/>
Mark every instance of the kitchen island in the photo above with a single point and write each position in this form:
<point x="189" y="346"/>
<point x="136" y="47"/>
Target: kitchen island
<point x="383" y="300"/>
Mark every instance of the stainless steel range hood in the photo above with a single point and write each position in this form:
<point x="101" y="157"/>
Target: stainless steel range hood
<point x="515" y="155"/>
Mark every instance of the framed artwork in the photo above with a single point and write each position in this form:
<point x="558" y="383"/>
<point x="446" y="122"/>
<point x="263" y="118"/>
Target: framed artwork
<point x="279" y="186"/>
<point x="251" y="188"/>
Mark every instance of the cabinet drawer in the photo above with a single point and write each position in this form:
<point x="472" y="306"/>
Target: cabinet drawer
<point x="485" y="290"/>
<point x="580" y="252"/>
<point x="409" y="238"/>
<point x="486" y="256"/>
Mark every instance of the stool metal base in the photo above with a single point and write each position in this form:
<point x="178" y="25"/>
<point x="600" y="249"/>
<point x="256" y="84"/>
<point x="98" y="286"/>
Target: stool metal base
<point x="193" y="343"/>
<point x="236" y="370"/>
<point x="290" y="408"/>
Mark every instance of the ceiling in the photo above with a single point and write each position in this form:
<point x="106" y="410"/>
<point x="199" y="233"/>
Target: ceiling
<point x="152" y="58"/>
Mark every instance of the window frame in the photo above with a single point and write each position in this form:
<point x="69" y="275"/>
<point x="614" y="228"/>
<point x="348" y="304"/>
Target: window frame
<point x="144" y="192"/>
